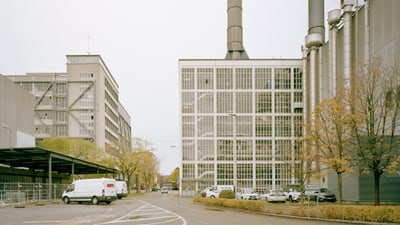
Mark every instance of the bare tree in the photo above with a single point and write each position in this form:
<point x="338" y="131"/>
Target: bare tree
<point x="377" y="98"/>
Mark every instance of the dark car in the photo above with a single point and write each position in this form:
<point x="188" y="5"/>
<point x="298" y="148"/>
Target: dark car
<point x="321" y="195"/>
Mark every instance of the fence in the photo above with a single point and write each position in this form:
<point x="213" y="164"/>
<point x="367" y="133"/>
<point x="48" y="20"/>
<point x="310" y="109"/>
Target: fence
<point x="15" y="194"/>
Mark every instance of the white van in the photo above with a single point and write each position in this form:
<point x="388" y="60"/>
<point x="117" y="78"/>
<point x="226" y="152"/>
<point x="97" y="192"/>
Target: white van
<point x="91" y="190"/>
<point x="122" y="189"/>
<point x="213" y="192"/>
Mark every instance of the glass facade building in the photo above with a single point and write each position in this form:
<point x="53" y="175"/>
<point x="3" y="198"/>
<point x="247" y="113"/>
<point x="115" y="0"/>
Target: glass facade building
<point x="241" y="121"/>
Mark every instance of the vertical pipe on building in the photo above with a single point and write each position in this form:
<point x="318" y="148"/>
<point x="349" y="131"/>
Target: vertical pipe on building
<point x="366" y="32"/>
<point x="347" y="6"/>
<point x="334" y="17"/>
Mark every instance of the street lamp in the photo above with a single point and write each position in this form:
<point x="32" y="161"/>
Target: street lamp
<point x="234" y="150"/>
<point x="9" y="130"/>
<point x="180" y="169"/>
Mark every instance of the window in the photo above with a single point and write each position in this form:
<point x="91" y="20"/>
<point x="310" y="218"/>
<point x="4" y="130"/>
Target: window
<point x="187" y="78"/>
<point x="188" y="126"/>
<point x="188" y="152"/>
<point x="263" y="78"/>
<point x="263" y="102"/>
<point x="205" y="102"/>
<point x="224" y="150"/>
<point x="224" y="102"/>
<point x="263" y="150"/>
<point x="263" y="126"/>
<point x="244" y="102"/>
<point x="282" y="78"/>
<point x="282" y="126"/>
<point x="187" y="102"/>
<point x="283" y="149"/>
<point x="205" y="150"/>
<point x="224" y="78"/>
<point x="283" y="102"/>
<point x="205" y="126"/>
<point x="244" y="78"/>
<point x="205" y="78"/>
<point x="298" y="78"/>
<point x="244" y="150"/>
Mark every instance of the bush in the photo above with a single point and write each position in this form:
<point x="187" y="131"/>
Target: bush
<point x="228" y="194"/>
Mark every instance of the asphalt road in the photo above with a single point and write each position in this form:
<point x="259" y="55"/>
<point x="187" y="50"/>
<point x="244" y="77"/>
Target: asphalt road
<point x="147" y="209"/>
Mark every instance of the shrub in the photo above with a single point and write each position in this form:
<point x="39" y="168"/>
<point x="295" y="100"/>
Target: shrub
<point x="228" y="194"/>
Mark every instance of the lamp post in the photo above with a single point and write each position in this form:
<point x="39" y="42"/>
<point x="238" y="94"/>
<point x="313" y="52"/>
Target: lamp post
<point x="9" y="130"/>
<point x="234" y="116"/>
<point x="180" y="170"/>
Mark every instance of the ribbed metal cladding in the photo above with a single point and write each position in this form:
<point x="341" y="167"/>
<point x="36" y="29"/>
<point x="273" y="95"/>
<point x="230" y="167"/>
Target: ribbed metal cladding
<point x="235" y="31"/>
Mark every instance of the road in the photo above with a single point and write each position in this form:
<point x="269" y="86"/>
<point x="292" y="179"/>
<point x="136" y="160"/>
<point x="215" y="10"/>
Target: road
<point x="148" y="209"/>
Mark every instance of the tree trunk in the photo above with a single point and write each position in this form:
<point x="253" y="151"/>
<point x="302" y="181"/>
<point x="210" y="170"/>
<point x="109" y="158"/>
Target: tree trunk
<point x="377" y="177"/>
<point x="339" y="188"/>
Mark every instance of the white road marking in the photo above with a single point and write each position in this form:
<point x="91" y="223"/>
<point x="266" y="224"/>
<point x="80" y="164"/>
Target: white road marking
<point x="148" y="213"/>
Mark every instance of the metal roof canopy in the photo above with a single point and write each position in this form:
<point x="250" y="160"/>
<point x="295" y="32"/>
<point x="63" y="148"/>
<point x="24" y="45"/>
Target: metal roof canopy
<point x="39" y="159"/>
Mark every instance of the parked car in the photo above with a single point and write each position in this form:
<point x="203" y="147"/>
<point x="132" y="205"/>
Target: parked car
<point x="320" y="195"/>
<point x="293" y="195"/>
<point x="213" y="192"/>
<point x="247" y="193"/>
<point x="276" y="195"/>
<point x="164" y="190"/>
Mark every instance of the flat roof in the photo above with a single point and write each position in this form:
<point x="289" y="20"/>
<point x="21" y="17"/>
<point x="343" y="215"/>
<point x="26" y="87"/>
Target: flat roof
<point x="38" y="159"/>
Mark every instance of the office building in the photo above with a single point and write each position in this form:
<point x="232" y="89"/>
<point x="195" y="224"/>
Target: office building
<point x="82" y="103"/>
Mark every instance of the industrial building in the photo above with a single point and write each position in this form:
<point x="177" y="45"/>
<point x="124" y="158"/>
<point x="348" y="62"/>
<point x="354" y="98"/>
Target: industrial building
<point x="80" y="103"/>
<point x="241" y="118"/>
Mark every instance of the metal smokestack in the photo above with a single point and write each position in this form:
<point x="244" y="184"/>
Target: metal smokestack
<point x="316" y="18"/>
<point x="235" y="31"/>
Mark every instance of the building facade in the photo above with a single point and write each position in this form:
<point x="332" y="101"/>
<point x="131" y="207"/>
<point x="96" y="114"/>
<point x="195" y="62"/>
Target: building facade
<point x="81" y="103"/>
<point x="241" y="121"/>
<point x="16" y="116"/>
<point x="359" y="32"/>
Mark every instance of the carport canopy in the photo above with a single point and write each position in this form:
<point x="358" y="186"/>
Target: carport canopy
<point x="39" y="159"/>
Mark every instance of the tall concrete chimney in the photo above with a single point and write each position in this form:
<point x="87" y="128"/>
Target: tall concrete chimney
<point x="235" y="31"/>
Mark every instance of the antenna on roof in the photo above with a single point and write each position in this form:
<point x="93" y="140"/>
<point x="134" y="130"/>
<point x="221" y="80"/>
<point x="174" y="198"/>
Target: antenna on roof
<point x="88" y="42"/>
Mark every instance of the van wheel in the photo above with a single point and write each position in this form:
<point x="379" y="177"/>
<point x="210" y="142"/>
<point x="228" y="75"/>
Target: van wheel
<point x="108" y="202"/>
<point x="212" y="196"/>
<point x="95" y="200"/>
<point x="66" y="200"/>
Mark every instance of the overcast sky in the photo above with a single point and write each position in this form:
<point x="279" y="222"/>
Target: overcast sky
<point x="141" y="43"/>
